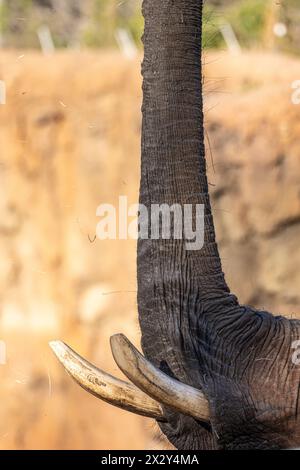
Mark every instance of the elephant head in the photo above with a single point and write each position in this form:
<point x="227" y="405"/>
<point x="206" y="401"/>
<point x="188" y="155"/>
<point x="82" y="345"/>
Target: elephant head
<point x="215" y="374"/>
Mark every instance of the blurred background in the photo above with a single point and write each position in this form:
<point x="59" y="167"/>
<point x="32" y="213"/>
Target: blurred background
<point x="70" y="123"/>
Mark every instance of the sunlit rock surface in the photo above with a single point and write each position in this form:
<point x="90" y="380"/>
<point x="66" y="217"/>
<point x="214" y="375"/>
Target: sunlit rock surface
<point x="69" y="141"/>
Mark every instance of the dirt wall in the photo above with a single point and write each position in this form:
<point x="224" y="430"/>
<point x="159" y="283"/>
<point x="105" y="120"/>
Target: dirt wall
<point x="69" y="141"/>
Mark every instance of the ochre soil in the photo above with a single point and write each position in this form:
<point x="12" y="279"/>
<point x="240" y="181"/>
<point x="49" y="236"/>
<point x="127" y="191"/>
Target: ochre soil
<point x="70" y="140"/>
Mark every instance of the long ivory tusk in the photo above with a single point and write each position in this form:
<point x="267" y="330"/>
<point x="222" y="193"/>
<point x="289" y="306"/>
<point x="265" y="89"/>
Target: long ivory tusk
<point x="110" y="389"/>
<point x="158" y="385"/>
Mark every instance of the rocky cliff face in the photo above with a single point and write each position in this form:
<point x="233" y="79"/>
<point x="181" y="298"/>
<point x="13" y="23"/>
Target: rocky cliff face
<point x="69" y="137"/>
<point x="254" y="135"/>
<point x="69" y="140"/>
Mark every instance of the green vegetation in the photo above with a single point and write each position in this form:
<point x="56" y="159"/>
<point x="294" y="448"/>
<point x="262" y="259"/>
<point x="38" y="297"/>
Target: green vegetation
<point x="106" y="17"/>
<point x="211" y="37"/>
<point x="248" y="19"/>
<point x="253" y="22"/>
<point x="13" y="23"/>
<point x="93" y="23"/>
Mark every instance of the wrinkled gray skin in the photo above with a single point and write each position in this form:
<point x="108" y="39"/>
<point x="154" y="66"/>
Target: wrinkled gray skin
<point x="193" y="328"/>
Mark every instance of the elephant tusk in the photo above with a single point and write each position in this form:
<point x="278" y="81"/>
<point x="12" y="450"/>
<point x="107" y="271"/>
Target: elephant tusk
<point x="104" y="386"/>
<point x="158" y="385"/>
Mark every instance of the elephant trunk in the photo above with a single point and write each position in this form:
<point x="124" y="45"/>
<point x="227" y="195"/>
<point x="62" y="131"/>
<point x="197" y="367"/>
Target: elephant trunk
<point x="175" y="277"/>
